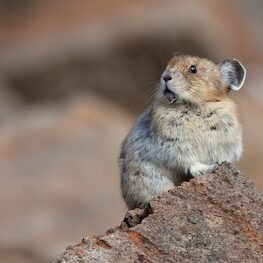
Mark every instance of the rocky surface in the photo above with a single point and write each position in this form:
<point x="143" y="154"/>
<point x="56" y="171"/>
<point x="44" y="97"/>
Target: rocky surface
<point x="214" y="218"/>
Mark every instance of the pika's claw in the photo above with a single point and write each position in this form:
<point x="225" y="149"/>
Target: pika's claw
<point x="201" y="168"/>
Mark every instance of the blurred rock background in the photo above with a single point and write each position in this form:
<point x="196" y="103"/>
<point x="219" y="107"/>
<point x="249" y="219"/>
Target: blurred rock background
<point x="73" y="77"/>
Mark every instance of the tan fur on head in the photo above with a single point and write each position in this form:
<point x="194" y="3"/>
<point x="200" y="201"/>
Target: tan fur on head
<point x="210" y="82"/>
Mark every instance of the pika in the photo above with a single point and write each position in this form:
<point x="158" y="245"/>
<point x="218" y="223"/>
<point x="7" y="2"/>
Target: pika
<point x="189" y="127"/>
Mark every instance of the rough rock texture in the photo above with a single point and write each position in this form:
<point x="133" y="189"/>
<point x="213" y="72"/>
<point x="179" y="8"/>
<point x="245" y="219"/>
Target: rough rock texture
<point x="214" y="218"/>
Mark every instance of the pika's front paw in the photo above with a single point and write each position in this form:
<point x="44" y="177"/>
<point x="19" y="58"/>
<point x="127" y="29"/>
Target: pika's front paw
<point x="200" y="169"/>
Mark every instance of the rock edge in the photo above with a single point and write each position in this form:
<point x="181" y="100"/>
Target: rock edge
<point x="217" y="217"/>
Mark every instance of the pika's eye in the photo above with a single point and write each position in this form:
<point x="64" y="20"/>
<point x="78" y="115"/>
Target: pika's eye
<point x="193" y="69"/>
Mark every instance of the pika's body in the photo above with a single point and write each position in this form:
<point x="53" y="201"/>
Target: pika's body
<point x="190" y="126"/>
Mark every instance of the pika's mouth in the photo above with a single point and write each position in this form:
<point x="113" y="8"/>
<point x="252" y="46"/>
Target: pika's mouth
<point x="170" y="95"/>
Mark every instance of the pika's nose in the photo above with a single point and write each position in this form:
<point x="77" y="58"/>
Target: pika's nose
<point x="167" y="77"/>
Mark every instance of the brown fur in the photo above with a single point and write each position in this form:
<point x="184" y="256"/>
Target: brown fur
<point x="203" y="85"/>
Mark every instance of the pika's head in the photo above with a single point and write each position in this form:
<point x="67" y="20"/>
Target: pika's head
<point x="197" y="80"/>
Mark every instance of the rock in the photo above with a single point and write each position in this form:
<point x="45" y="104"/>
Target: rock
<point x="213" y="218"/>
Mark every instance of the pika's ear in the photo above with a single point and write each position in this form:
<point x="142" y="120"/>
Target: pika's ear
<point x="178" y="54"/>
<point x="233" y="73"/>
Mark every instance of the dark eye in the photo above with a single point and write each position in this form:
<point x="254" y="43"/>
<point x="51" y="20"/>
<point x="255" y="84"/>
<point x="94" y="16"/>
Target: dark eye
<point x="193" y="69"/>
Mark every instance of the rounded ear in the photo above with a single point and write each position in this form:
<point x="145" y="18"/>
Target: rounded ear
<point x="178" y="54"/>
<point x="233" y="73"/>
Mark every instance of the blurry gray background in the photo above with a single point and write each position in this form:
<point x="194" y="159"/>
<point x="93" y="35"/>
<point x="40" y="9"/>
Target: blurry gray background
<point x="73" y="77"/>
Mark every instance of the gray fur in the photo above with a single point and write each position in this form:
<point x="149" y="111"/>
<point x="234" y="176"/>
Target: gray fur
<point x="169" y="141"/>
